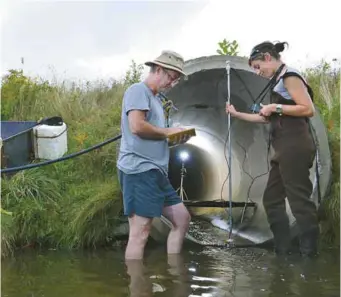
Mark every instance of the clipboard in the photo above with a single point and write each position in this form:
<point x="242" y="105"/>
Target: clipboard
<point x="175" y="139"/>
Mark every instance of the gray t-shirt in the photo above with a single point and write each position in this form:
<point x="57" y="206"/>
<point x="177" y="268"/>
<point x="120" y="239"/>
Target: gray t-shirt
<point x="137" y="154"/>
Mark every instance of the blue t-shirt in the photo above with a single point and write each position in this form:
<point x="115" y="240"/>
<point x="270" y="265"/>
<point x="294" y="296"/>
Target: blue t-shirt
<point x="137" y="154"/>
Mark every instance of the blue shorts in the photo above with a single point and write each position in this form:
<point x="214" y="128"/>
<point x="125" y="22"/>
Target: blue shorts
<point x="147" y="193"/>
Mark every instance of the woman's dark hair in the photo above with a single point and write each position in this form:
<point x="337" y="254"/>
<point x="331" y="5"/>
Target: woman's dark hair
<point x="267" y="47"/>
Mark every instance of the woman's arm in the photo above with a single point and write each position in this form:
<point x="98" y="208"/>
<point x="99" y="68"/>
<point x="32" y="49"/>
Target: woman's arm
<point x="249" y="117"/>
<point x="304" y="106"/>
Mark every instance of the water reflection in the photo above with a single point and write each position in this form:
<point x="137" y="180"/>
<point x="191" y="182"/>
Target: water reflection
<point x="196" y="272"/>
<point x="140" y="284"/>
<point x="172" y="280"/>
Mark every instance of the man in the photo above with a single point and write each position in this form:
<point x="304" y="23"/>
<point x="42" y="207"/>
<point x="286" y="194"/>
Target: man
<point x="144" y="156"/>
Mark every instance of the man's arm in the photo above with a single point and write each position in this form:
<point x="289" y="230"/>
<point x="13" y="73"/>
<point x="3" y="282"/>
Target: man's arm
<point x="139" y="126"/>
<point x="136" y="105"/>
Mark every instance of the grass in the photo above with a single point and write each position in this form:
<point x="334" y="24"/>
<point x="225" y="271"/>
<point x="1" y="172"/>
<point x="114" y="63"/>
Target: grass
<point x="326" y="85"/>
<point x="75" y="204"/>
<point x="7" y="235"/>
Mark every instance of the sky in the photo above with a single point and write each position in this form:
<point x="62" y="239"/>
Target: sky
<point x="99" y="39"/>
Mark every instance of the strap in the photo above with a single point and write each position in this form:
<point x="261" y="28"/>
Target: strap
<point x="167" y="105"/>
<point x="270" y="85"/>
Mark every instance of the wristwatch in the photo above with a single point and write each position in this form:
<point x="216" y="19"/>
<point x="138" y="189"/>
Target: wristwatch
<point x="279" y="109"/>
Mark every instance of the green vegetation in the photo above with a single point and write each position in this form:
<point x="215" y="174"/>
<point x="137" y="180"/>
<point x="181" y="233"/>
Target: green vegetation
<point x="76" y="203"/>
<point x="326" y="85"/>
<point x="228" y="48"/>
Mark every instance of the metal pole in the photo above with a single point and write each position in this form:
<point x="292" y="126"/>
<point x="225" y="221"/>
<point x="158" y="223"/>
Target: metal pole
<point x="181" y="189"/>
<point x="228" y="67"/>
<point x="182" y="181"/>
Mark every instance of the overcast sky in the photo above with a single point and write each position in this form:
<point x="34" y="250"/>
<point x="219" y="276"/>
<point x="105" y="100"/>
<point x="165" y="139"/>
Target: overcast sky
<point x="98" y="39"/>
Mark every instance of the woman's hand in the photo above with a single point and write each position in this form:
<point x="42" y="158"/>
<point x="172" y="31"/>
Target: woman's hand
<point x="230" y="109"/>
<point x="255" y="118"/>
<point x="267" y="110"/>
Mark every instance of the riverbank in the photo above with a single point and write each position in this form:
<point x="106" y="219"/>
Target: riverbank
<point x="75" y="204"/>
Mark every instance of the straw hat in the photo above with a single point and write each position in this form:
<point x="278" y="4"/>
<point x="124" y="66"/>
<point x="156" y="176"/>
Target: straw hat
<point x="170" y="60"/>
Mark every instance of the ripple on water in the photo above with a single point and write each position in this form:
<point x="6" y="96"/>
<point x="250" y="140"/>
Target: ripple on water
<point x="201" y="272"/>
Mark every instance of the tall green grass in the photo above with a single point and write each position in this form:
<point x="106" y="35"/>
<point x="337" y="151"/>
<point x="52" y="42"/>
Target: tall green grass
<point x="325" y="82"/>
<point x="75" y="203"/>
<point x="7" y="234"/>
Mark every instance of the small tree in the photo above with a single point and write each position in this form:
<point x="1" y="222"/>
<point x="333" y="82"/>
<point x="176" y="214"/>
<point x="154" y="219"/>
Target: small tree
<point x="134" y="74"/>
<point x="228" y="48"/>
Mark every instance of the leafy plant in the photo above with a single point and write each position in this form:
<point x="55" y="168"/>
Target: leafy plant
<point x="228" y="48"/>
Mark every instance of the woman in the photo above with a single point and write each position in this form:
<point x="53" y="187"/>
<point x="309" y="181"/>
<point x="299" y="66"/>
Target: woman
<point x="288" y="112"/>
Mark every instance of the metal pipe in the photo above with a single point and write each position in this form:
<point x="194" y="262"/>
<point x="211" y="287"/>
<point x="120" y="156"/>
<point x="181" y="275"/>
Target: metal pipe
<point x="228" y="67"/>
<point x="201" y="101"/>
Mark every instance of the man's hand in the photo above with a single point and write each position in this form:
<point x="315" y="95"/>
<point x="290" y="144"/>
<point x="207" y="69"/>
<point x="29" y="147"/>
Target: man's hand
<point x="181" y="138"/>
<point x="174" y="130"/>
<point x="143" y="129"/>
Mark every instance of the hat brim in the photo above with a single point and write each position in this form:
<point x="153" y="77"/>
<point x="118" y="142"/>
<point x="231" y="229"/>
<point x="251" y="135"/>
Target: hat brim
<point x="151" y="63"/>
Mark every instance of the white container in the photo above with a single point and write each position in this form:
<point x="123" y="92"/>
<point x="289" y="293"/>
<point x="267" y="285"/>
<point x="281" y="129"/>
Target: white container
<point x="50" y="142"/>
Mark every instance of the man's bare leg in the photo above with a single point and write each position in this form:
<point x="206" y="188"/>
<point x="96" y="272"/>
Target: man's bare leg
<point x="139" y="229"/>
<point x="180" y="218"/>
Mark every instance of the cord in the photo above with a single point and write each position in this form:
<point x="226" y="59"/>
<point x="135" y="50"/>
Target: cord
<point x="30" y="166"/>
<point x="228" y="141"/>
<point x="252" y="179"/>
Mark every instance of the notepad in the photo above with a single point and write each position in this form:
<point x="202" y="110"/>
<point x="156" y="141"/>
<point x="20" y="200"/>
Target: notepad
<point x="176" y="138"/>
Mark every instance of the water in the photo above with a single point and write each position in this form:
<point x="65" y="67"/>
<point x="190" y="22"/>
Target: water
<point x="205" y="272"/>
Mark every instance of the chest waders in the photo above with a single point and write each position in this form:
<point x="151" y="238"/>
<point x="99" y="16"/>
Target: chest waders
<point x="294" y="152"/>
